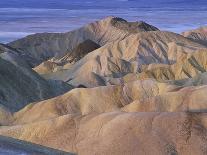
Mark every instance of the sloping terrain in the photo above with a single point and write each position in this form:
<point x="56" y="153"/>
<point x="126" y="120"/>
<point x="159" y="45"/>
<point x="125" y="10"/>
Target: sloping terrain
<point x="139" y="96"/>
<point x="13" y="146"/>
<point x="137" y="90"/>
<point x="199" y="35"/>
<point x="187" y="66"/>
<point x="119" y="133"/>
<point x="169" y="118"/>
<point x="19" y="84"/>
<point x="139" y="53"/>
<point x="46" y="45"/>
<point x="68" y="59"/>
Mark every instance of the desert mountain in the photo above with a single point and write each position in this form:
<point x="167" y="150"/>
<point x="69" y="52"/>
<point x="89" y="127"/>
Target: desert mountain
<point x="148" y="54"/>
<point x="199" y="35"/>
<point x="43" y="46"/>
<point x="19" y="84"/>
<point x="119" y="133"/>
<point x="73" y="121"/>
<point x="71" y="57"/>
<point x="192" y="64"/>
<point x="137" y="96"/>
<point x="138" y="90"/>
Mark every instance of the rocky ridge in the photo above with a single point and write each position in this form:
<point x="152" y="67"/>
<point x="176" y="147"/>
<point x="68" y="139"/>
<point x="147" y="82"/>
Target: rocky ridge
<point x="138" y="90"/>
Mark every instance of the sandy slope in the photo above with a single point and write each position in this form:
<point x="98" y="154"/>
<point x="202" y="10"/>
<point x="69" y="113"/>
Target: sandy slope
<point x="47" y="45"/>
<point x="139" y="93"/>
<point x="138" y="53"/>
<point x="119" y="133"/>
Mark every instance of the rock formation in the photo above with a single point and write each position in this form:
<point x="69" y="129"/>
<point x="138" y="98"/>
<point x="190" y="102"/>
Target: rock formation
<point x="19" y="84"/>
<point x="199" y="35"/>
<point x="137" y="90"/>
<point x="46" y="45"/>
<point x="138" y="53"/>
<point x="71" y="57"/>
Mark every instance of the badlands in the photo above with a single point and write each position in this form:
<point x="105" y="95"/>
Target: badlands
<point x="112" y="87"/>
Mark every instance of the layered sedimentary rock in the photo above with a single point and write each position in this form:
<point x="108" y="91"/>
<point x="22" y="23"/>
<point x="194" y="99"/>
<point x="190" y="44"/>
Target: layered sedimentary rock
<point x="138" y="53"/>
<point x="199" y="35"/>
<point x="137" y="96"/>
<point x="187" y="66"/>
<point x="119" y="133"/>
<point x="170" y="111"/>
<point x="68" y="59"/>
<point x="137" y="90"/>
<point x="46" y="45"/>
<point x="19" y="84"/>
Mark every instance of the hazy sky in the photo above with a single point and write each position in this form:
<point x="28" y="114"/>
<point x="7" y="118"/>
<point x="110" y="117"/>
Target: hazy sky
<point x="19" y="18"/>
<point x="99" y="3"/>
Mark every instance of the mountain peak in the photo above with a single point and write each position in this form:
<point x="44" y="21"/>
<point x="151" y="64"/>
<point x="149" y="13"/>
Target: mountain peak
<point x="131" y="27"/>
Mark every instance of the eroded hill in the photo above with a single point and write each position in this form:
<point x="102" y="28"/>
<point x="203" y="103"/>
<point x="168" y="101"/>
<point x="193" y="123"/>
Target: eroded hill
<point x="138" y="90"/>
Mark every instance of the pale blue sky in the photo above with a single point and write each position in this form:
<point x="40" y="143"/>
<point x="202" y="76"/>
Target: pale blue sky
<point x="65" y="15"/>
